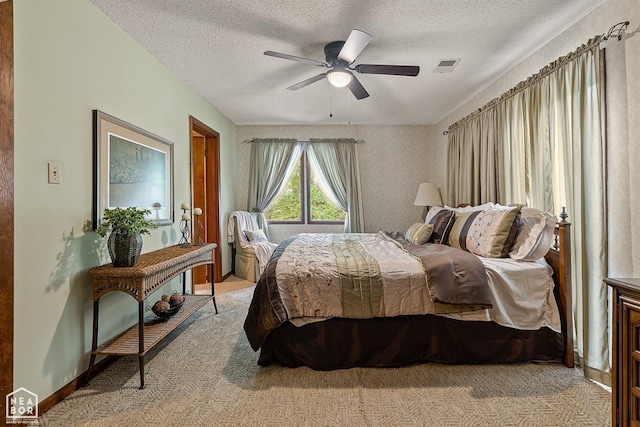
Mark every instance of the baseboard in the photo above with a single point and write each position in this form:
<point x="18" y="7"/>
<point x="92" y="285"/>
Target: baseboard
<point x="226" y="276"/>
<point x="74" y="385"/>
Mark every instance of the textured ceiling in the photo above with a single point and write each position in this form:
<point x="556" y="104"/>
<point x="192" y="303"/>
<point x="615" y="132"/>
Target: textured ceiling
<point x="217" y="47"/>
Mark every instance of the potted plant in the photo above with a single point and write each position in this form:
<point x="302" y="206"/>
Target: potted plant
<point x="127" y="226"/>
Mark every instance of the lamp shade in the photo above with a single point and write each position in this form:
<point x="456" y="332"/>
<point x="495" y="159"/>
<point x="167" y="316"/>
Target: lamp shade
<point x="428" y="195"/>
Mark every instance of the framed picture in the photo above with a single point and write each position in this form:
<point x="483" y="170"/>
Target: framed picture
<point x="132" y="167"/>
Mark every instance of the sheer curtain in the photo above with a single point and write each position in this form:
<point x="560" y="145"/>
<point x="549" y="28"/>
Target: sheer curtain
<point x="265" y="183"/>
<point x="336" y="162"/>
<point x="550" y="154"/>
<point x="562" y="151"/>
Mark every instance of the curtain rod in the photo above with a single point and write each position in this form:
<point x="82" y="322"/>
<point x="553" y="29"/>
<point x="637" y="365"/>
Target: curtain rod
<point x="615" y="31"/>
<point x="313" y="140"/>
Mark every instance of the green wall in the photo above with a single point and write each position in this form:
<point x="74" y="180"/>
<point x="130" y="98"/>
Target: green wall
<point x="70" y="59"/>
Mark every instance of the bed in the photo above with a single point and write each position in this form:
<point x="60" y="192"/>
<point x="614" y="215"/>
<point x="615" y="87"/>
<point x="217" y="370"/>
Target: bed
<point x="301" y="314"/>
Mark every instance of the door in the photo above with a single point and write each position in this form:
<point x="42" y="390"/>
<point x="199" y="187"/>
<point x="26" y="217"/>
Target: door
<point x="205" y="176"/>
<point x="6" y="201"/>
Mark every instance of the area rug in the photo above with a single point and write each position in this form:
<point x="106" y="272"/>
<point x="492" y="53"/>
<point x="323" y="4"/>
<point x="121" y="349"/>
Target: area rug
<point x="206" y="374"/>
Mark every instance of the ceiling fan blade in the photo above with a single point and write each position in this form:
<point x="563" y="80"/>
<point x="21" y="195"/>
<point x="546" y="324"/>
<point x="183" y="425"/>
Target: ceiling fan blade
<point x="295" y="58"/>
<point x="307" y="82"/>
<point x="357" y="89"/>
<point x="356" y="41"/>
<point x="395" y="70"/>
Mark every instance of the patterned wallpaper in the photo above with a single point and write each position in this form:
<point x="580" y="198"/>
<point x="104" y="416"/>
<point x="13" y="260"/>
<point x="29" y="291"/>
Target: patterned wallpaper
<point x="393" y="162"/>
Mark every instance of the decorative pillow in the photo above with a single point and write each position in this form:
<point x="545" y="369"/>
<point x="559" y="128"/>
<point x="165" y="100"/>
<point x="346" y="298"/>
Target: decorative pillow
<point x="433" y="210"/>
<point x="460" y="229"/>
<point x="442" y="221"/>
<point x="535" y="235"/>
<point x="255" y="236"/>
<point x="493" y="231"/>
<point x="419" y="234"/>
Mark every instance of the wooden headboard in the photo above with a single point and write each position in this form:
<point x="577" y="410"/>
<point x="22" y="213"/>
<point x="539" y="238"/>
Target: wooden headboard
<point x="559" y="258"/>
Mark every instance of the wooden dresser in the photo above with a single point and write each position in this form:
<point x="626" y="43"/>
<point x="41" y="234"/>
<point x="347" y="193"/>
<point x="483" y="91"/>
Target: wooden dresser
<point x="626" y="352"/>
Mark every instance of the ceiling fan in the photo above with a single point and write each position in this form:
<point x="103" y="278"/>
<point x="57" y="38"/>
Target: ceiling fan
<point x="340" y="55"/>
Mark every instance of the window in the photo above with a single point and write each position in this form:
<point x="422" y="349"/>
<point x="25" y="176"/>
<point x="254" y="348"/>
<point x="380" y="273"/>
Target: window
<point x="302" y="200"/>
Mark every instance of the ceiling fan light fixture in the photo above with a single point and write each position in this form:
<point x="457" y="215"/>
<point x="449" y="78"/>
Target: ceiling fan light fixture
<point x="339" y="78"/>
<point x="340" y="55"/>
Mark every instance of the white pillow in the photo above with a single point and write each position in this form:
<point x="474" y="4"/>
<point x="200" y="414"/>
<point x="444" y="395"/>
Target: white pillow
<point x="535" y="235"/>
<point x="255" y="236"/>
<point x="471" y="208"/>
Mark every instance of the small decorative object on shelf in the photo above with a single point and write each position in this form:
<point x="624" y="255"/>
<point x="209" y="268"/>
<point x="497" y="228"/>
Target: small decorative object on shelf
<point x="197" y="227"/>
<point x="125" y="240"/>
<point x="124" y="247"/>
<point x="184" y="226"/>
<point x="167" y="306"/>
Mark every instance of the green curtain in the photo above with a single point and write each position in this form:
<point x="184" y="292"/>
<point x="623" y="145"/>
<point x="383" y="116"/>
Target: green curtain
<point x="336" y="162"/>
<point x="265" y="183"/>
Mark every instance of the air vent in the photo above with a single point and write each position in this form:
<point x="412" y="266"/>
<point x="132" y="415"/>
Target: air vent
<point x="446" y="65"/>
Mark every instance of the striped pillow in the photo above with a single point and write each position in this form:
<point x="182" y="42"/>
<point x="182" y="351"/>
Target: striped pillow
<point x="433" y="210"/>
<point x="442" y="221"/>
<point x="493" y="231"/>
<point x="418" y="233"/>
<point x="460" y="229"/>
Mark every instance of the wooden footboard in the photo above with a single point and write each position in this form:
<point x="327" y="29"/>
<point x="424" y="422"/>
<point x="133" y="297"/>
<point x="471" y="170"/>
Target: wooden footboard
<point x="559" y="258"/>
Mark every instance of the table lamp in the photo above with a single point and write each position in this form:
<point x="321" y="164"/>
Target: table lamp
<point x="428" y="195"/>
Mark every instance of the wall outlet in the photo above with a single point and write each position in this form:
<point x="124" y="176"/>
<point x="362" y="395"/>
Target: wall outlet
<point x="54" y="173"/>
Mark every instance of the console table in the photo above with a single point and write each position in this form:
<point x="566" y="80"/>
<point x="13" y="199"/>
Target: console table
<point x="153" y="270"/>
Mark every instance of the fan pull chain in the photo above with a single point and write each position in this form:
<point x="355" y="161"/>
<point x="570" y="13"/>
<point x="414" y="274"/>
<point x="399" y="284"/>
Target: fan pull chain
<point x="348" y="106"/>
<point x="330" y="103"/>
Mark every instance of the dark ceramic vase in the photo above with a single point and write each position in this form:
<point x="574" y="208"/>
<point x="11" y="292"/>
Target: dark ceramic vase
<point x="124" y="247"/>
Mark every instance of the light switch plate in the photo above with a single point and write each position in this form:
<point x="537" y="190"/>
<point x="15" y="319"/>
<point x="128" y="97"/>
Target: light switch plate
<point x="54" y="173"/>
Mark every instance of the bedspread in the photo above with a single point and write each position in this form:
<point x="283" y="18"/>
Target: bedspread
<point x="313" y="277"/>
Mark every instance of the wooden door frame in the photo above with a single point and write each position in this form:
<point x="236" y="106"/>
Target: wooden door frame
<point x="212" y="208"/>
<point x="6" y="200"/>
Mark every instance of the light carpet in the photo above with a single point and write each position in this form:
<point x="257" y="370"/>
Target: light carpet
<point x="205" y="374"/>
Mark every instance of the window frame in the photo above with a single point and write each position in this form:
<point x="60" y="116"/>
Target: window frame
<point x="305" y="198"/>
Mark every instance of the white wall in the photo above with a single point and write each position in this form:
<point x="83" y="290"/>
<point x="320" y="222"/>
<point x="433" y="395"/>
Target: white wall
<point x="623" y="124"/>
<point x="70" y="59"/>
<point x="393" y="162"/>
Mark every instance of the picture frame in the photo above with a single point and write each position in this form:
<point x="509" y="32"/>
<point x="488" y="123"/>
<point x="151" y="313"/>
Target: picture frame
<point x="132" y="167"/>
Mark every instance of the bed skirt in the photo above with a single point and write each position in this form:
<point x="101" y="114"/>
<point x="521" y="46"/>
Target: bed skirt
<point x="386" y="342"/>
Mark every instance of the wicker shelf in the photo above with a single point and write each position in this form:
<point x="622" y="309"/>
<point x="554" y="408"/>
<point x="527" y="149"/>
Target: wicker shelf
<point x="152" y="271"/>
<point x="155" y="330"/>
